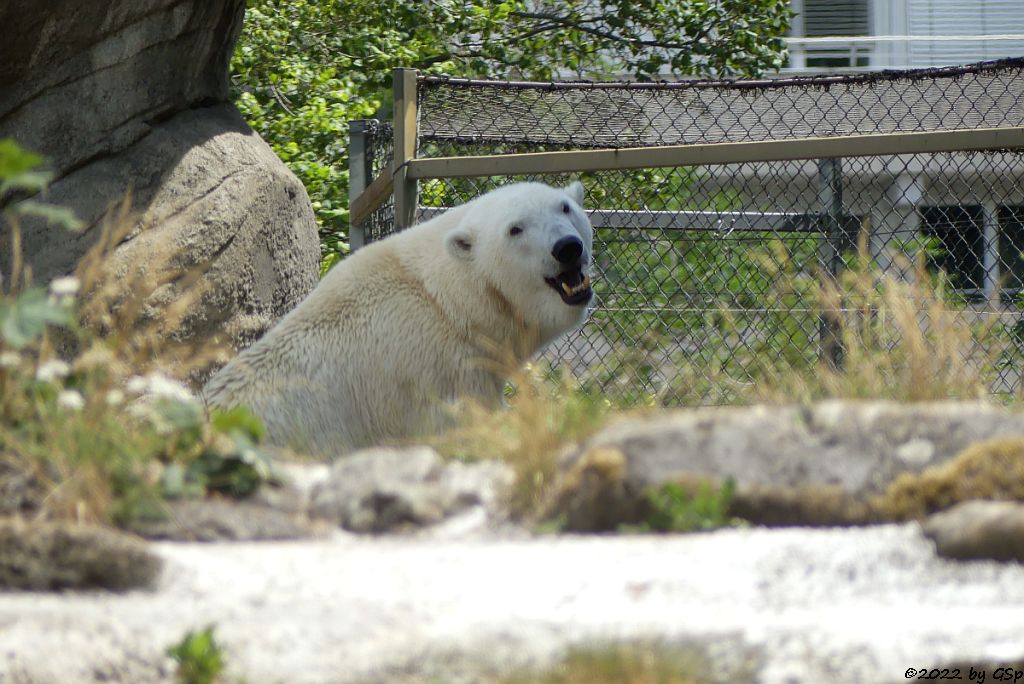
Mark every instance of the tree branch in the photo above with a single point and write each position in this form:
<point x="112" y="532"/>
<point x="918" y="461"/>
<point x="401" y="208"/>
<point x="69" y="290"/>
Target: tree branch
<point x="569" y="23"/>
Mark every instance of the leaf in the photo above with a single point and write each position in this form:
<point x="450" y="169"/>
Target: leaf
<point x="237" y="475"/>
<point x="61" y="216"/>
<point x="238" y="418"/>
<point x="25" y="319"/>
<point x="183" y="419"/>
<point x="15" y="160"/>
<point x="176" y="484"/>
<point x="29" y="181"/>
<point x="199" y="657"/>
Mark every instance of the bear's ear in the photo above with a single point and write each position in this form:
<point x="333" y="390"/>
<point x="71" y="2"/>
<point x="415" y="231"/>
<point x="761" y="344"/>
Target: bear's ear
<point x="459" y="243"/>
<point x="575" y="191"/>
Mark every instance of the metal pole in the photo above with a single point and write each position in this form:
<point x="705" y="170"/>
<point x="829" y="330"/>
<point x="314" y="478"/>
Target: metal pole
<point x="710" y="154"/>
<point x="360" y="168"/>
<point x="405" y="146"/>
<point x="839" y="233"/>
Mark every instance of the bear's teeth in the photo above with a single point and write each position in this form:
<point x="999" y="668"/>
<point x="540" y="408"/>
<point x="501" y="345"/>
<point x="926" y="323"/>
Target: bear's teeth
<point x="584" y="284"/>
<point x="569" y="291"/>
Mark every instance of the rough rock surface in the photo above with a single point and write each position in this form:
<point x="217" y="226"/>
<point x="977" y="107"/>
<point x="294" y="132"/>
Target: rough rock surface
<point x="83" y="79"/>
<point x="792" y="465"/>
<point x="21" y="492"/>
<point x="388" y="490"/>
<point x="976" y="530"/>
<point x="53" y="556"/>
<point x="211" y="520"/>
<point x="219" y="196"/>
<point x="131" y="95"/>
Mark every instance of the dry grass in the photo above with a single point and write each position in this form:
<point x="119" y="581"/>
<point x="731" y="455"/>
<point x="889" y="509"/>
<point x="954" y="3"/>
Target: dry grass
<point x="904" y="339"/>
<point x="616" y="664"/>
<point x="73" y="442"/>
<point x="900" y="338"/>
<point x="139" y="309"/>
<point x="993" y="469"/>
<point x="544" y="416"/>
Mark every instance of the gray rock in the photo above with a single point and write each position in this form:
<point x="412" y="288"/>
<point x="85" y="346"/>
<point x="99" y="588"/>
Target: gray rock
<point x="792" y="465"/>
<point x="292" y="490"/>
<point x="213" y="520"/>
<point x="51" y="556"/>
<point x="219" y="196"/>
<point x="130" y="97"/>
<point x="393" y="489"/>
<point x="978" y="530"/>
<point x="22" y="492"/>
<point x="80" y="79"/>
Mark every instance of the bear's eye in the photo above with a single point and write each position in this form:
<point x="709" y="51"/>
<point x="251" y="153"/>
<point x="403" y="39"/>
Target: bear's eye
<point x="515" y="230"/>
<point x="565" y="208"/>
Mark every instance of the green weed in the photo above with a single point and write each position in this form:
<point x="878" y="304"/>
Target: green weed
<point x="200" y="659"/>
<point x="675" y="508"/>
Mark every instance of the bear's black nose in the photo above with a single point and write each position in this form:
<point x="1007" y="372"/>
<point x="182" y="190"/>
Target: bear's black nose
<point x="567" y="250"/>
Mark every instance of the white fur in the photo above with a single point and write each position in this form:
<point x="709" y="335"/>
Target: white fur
<point x="442" y="310"/>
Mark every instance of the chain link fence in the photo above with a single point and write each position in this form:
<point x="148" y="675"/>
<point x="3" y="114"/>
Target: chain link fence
<point x="689" y="258"/>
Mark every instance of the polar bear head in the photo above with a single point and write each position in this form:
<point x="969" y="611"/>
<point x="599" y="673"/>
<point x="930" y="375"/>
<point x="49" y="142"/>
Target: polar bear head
<point x="533" y="244"/>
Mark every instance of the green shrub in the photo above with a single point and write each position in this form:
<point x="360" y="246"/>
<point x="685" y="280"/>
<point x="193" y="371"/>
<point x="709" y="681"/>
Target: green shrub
<point x="88" y="415"/>
<point x="675" y="508"/>
<point x="200" y="659"/>
<point x="303" y="69"/>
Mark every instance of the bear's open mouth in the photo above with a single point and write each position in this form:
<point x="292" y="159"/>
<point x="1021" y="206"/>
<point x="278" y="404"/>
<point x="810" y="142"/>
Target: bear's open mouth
<point x="573" y="286"/>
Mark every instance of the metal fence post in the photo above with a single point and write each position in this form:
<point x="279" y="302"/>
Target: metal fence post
<point x="838" y="229"/>
<point x="405" y="146"/>
<point x="360" y="168"/>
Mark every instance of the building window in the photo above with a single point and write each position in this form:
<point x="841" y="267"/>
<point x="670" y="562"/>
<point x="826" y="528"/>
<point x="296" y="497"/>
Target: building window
<point x="1011" y="247"/>
<point x="958" y="243"/>
<point x="832" y="19"/>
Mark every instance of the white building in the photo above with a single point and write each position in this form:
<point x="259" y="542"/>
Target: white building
<point x="976" y="209"/>
<point x="899" y="34"/>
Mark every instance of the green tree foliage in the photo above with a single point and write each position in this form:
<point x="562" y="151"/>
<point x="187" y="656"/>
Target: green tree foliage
<point x="304" y="68"/>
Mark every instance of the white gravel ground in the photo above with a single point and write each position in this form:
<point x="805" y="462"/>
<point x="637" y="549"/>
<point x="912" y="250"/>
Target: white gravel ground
<point x="836" y="605"/>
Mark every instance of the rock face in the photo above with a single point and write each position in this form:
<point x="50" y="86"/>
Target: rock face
<point x="83" y="79"/>
<point x="213" y="520"/>
<point x="130" y="96"/>
<point x="390" y="490"/>
<point x="979" y="530"/>
<point x="832" y="463"/>
<point x="53" y="556"/>
<point x="211" y="188"/>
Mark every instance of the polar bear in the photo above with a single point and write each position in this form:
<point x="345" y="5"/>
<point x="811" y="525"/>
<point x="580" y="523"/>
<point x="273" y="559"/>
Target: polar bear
<point x="438" y="312"/>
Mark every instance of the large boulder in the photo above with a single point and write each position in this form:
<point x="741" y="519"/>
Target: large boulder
<point x="131" y="96"/>
<point x="51" y="556"/>
<point x="836" y="462"/>
<point x="979" y="530"/>
<point x="387" y="489"/>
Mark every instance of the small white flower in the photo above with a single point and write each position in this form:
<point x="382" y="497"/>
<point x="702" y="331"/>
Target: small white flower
<point x="51" y="370"/>
<point x="9" y="359"/>
<point x="115" y="397"/>
<point x="72" y="400"/>
<point x="158" y="386"/>
<point x="166" y="388"/>
<point x="67" y="286"/>
<point x="136" y="384"/>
